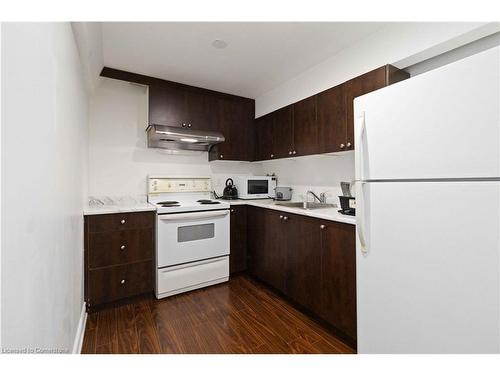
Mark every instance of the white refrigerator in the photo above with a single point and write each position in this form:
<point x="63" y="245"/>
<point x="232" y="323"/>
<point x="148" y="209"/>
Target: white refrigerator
<point x="428" y="211"/>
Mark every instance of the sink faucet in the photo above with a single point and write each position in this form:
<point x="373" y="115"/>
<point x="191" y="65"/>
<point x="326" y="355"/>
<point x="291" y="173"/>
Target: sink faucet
<point x="321" y="198"/>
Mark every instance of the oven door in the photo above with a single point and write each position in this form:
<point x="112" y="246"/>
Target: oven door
<point x="192" y="236"/>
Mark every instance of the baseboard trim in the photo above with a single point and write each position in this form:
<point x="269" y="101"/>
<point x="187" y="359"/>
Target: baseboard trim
<point x="80" y="332"/>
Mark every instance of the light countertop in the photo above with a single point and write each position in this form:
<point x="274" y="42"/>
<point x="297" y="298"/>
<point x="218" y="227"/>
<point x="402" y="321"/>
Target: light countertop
<point x="113" y="205"/>
<point x="319" y="213"/>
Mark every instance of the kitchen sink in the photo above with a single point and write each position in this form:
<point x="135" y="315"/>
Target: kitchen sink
<point x="306" y="205"/>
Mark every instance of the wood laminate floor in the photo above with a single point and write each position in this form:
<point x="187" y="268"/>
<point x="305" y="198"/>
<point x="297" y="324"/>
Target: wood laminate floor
<point x="240" y="316"/>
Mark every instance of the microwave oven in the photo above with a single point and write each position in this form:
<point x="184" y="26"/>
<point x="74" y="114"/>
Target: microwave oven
<point x="256" y="187"/>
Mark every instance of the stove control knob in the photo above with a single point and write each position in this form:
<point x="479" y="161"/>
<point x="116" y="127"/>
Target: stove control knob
<point x="122" y="221"/>
<point x="122" y="247"/>
<point x="122" y="282"/>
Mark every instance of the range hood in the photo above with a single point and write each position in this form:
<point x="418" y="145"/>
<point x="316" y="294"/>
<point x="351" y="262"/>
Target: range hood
<point x="178" y="138"/>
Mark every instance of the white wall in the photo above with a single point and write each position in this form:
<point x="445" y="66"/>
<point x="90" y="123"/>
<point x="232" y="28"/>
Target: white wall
<point x="88" y="37"/>
<point x="44" y="150"/>
<point x="401" y="44"/>
<point x="119" y="160"/>
<point x="319" y="173"/>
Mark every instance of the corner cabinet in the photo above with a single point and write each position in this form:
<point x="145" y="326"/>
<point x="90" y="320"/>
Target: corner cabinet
<point x="235" y="121"/>
<point x="321" y="123"/>
<point x="311" y="261"/>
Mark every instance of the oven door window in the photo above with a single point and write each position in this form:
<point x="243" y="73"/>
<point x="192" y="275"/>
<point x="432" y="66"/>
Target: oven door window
<point x="195" y="232"/>
<point x="258" y="186"/>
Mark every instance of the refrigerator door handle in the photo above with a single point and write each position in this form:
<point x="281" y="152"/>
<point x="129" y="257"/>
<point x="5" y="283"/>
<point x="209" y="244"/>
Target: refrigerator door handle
<point x="360" y="215"/>
<point x="359" y="145"/>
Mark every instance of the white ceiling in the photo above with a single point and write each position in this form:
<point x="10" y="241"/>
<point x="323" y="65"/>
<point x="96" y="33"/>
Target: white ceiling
<point x="259" y="56"/>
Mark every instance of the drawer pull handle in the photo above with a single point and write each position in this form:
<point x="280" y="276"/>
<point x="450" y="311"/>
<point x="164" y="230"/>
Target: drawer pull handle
<point x="281" y="217"/>
<point x="322" y="226"/>
<point x="285" y="218"/>
<point x="122" y="221"/>
<point x="122" y="247"/>
<point x="122" y="282"/>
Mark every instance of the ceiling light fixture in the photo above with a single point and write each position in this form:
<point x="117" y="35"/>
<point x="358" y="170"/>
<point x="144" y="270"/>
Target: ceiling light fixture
<point x="219" y="43"/>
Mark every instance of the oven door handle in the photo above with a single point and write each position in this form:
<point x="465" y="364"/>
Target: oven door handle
<point x="193" y="215"/>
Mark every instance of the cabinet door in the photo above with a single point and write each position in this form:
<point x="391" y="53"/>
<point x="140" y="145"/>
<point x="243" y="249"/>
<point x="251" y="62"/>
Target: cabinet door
<point x="368" y="82"/>
<point x="338" y="276"/>
<point x="283" y="132"/>
<point x="303" y="250"/>
<point x="305" y="129"/>
<point x="167" y="105"/>
<point x="264" y="138"/>
<point x="267" y="253"/>
<point x="236" y="120"/>
<point x="201" y="110"/>
<point x="238" y="256"/>
<point x="332" y="120"/>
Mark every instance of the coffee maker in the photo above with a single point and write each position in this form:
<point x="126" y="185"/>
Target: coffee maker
<point x="347" y="201"/>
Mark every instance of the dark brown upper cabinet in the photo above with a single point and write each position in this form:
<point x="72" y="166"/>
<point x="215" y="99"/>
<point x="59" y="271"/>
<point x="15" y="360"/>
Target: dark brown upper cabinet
<point x="264" y="138"/>
<point x="363" y="84"/>
<point x="283" y="130"/>
<point x="236" y="117"/>
<point x="324" y="122"/>
<point x="332" y="120"/>
<point x="167" y="106"/>
<point x="181" y="107"/>
<point x="305" y="127"/>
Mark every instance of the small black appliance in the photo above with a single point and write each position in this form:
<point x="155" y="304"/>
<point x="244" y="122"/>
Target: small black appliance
<point x="230" y="191"/>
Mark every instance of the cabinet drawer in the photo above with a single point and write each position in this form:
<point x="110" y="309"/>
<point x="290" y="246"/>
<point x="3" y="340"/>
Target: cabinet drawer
<point x="113" y="283"/>
<point x="119" y="247"/>
<point x="120" y="221"/>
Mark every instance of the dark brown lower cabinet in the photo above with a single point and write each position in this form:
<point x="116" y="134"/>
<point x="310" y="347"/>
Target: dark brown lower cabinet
<point x="238" y="235"/>
<point x="118" y="256"/>
<point x="338" y="276"/>
<point x="312" y="261"/>
<point x="267" y="260"/>
<point x="303" y="270"/>
<point x="114" y="283"/>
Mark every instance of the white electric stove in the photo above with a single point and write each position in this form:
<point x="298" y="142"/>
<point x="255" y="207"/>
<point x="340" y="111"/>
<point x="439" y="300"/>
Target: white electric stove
<point x="192" y="246"/>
